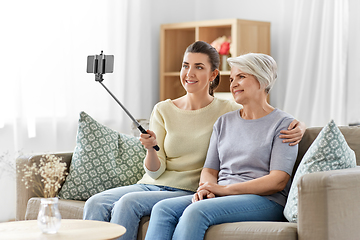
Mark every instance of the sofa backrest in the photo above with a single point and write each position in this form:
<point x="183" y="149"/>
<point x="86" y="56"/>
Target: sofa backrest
<point x="351" y="134"/>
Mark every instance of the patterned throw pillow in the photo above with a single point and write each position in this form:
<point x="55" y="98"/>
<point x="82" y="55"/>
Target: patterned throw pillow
<point x="102" y="159"/>
<point x="329" y="151"/>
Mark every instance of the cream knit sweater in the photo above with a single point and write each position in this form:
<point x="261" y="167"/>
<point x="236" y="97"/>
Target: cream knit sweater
<point x="183" y="137"/>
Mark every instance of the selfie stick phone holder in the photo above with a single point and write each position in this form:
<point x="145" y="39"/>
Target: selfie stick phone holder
<point x="101" y="64"/>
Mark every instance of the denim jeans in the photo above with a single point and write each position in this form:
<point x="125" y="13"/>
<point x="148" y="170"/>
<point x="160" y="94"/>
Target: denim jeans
<point x="127" y="205"/>
<point x="178" y="218"/>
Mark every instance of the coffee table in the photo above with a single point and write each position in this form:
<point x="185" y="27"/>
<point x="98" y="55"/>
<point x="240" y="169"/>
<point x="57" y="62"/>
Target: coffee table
<point x="75" y="229"/>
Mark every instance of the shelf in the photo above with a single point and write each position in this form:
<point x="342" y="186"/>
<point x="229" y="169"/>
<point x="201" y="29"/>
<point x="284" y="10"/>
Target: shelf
<point x="224" y="95"/>
<point x="175" y="41"/>
<point x="172" y="87"/>
<point x="210" y="33"/>
<point x="224" y="85"/>
<point x="224" y="73"/>
<point x="172" y="74"/>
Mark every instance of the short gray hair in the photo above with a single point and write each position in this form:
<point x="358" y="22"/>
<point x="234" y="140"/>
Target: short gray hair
<point x="263" y="67"/>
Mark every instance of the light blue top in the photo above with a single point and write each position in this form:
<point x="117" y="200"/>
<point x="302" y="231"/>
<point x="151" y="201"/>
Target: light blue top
<point x="242" y="150"/>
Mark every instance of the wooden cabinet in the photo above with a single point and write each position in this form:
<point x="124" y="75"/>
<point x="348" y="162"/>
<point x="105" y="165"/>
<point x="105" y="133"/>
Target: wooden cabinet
<point x="246" y="36"/>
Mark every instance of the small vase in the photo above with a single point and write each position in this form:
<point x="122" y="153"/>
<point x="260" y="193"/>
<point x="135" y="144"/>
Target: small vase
<point x="224" y="63"/>
<point x="49" y="218"/>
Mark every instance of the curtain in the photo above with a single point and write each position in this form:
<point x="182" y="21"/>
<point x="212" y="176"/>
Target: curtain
<point x="316" y="87"/>
<point x="353" y="99"/>
<point x="44" y="84"/>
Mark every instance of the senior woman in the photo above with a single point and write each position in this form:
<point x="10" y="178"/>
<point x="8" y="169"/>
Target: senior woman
<point x="246" y="176"/>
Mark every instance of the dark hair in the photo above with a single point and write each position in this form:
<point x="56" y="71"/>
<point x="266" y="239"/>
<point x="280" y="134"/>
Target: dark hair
<point x="214" y="59"/>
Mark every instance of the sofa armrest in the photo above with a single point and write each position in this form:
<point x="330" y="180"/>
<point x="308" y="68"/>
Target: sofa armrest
<point x="23" y="194"/>
<point x="328" y="206"/>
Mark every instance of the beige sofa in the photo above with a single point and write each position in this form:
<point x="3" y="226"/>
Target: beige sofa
<point x="328" y="203"/>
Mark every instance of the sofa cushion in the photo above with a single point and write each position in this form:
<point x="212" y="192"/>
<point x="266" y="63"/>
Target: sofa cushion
<point x="329" y="151"/>
<point x="241" y="230"/>
<point x="253" y="231"/>
<point x="102" y="159"/>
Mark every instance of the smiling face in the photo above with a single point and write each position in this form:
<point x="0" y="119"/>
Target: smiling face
<point x="245" y="87"/>
<point x="196" y="73"/>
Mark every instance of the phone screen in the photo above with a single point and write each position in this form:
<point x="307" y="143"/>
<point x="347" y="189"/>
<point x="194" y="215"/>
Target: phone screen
<point x="100" y="64"/>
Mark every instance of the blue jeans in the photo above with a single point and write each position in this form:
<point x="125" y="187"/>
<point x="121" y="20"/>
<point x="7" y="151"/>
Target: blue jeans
<point x="127" y="205"/>
<point x="178" y="218"/>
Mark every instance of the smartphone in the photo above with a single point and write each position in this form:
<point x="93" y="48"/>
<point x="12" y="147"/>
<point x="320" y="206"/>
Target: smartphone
<point x="100" y="64"/>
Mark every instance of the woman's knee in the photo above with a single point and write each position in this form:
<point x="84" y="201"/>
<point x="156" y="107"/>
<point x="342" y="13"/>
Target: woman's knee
<point x="132" y="203"/>
<point x="162" y="208"/>
<point x="163" y="204"/>
<point x="94" y="201"/>
<point x="195" y="212"/>
<point x="126" y="201"/>
<point x="171" y="208"/>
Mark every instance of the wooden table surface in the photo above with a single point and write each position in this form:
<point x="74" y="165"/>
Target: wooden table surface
<point x="70" y="229"/>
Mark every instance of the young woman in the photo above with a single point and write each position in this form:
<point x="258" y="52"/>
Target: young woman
<point x="246" y="176"/>
<point x="183" y="129"/>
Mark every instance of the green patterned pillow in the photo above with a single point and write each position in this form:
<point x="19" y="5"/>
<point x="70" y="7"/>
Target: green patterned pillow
<point x="102" y="159"/>
<point x="329" y="151"/>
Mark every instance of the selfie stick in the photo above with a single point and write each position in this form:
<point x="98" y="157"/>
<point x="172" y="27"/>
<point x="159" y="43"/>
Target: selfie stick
<point x="99" y="78"/>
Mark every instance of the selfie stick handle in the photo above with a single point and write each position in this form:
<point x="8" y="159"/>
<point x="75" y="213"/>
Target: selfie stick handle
<point x="137" y="124"/>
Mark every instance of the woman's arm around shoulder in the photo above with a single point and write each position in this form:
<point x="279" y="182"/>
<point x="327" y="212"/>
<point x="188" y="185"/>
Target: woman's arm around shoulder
<point x="294" y="133"/>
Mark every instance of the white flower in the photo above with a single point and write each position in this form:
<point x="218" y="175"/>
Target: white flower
<point x="52" y="172"/>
